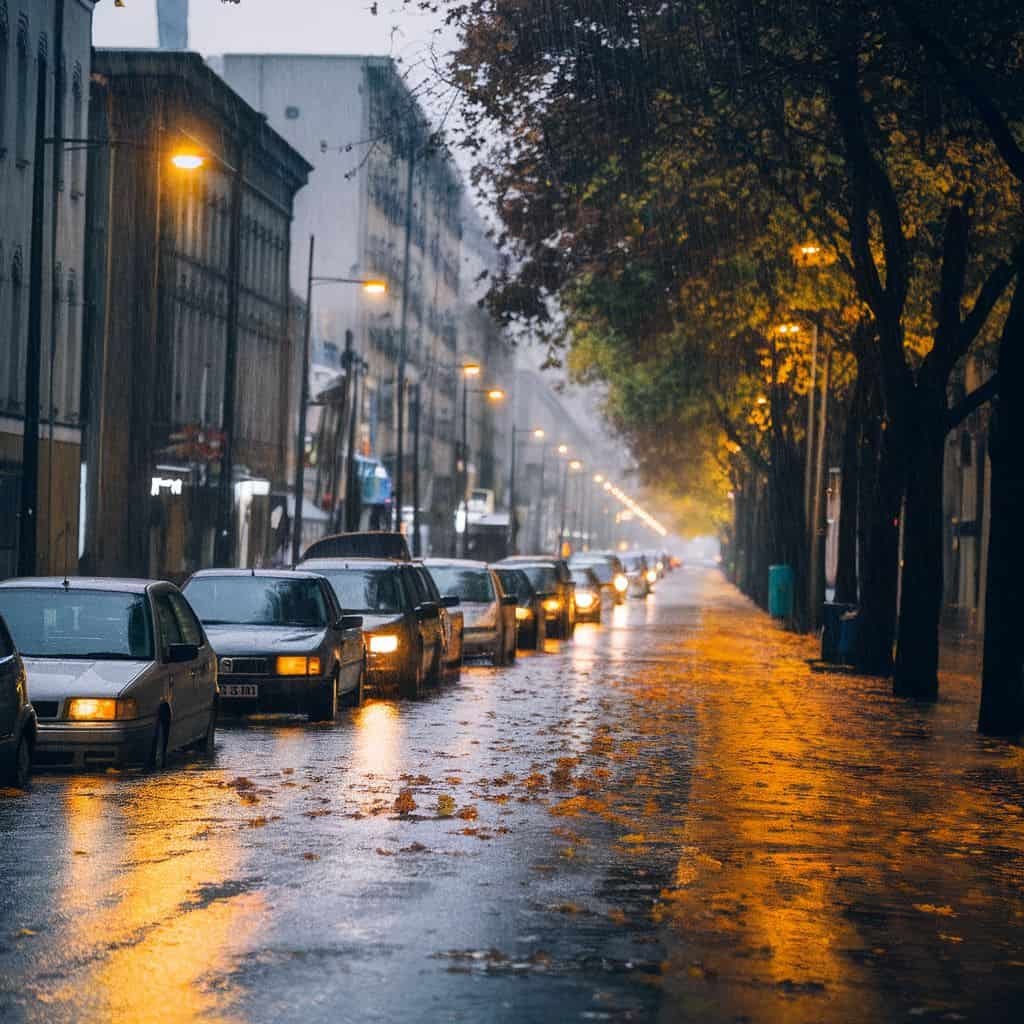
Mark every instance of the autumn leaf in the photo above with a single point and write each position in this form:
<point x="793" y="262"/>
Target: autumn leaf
<point x="404" y="802"/>
<point x="467" y="813"/>
<point x="445" y="805"/>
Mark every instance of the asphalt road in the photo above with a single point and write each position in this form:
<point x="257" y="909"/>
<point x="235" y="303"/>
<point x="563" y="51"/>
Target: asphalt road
<point x="669" y="818"/>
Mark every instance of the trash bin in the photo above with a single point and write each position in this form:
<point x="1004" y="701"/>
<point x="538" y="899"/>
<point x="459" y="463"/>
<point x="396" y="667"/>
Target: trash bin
<point x="780" y="591"/>
<point x="832" y="638"/>
<point x="849" y="624"/>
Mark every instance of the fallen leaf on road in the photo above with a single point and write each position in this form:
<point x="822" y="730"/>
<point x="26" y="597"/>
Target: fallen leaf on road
<point x="404" y="803"/>
<point x="445" y="805"/>
<point x="311" y="856"/>
<point x="467" y="813"/>
<point x="930" y="908"/>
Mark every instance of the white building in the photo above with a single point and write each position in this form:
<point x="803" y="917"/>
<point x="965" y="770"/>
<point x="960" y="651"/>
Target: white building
<point x="44" y="93"/>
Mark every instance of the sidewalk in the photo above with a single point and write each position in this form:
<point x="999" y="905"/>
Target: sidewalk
<point x="842" y="855"/>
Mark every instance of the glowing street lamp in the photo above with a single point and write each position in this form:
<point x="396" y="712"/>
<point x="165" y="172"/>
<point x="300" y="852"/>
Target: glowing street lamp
<point x="188" y="161"/>
<point x="495" y="394"/>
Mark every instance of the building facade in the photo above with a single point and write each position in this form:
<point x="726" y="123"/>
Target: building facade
<point x="44" y="98"/>
<point x="381" y="188"/>
<point x="190" y="339"/>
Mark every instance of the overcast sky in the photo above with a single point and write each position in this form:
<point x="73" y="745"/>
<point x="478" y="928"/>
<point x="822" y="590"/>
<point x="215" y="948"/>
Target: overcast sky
<point x="280" y="26"/>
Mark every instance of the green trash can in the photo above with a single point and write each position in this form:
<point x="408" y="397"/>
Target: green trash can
<point x="780" y="591"/>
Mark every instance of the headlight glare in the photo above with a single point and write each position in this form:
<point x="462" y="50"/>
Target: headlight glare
<point x="522" y="614"/>
<point x="104" y="709"/>
<point x="552" y="604"/>
<point x="298" y="665"/>
<point x="621" y="583"/>
<point x="584" y="598"/>
<point x="652" y="576"/>
<point x="384" y="643"/>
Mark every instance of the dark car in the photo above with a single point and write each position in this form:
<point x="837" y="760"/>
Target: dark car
<point x="282" y="640"/>
<point x="552" y="579"/>
<point x="17" y="717"/>
<point x="588" y="594"/>
<point x="405" y="640"/>
<point x="530" y="630"/>
<point x="608" y="569"/>
<point x="367" y="544"/>
<point x="488" y="612"/>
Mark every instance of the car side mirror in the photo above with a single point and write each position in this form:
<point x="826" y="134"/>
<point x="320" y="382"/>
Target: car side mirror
<point x="350" y="622"/>
<point x="510" y="601"/>
<point x="427" y="610"/>
<point x="451" y="601"/>
<point x="178" y="654"/>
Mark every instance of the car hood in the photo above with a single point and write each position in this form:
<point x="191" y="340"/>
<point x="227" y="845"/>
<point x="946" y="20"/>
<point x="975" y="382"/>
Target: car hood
<point x="238" y="640"/>
<point x="55" y="678"/>
<point x="373" y="622"/>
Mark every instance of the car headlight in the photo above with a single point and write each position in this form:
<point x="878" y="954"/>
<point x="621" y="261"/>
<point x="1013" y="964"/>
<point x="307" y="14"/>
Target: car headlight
<point x="89" y="709"/>
<point x="522" y="614"/>
<point x="552" y="604"/>
<point x="621" y="583"/>
<point x="298" y="665"/>
<point x="652" y="576"/>
<point x="584" y="598"/>
<point x="383" y="643"/>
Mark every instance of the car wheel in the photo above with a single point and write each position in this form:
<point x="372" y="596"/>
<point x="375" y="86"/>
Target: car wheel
<point x="324" y="704"/>
<point x="207" y="743"/>
<point x="409" y="685"/>
<point x="20" y="769"/>
<point x="437" y="668"/>
<point x="157" y="760"/>
<point x="354" y="698"/>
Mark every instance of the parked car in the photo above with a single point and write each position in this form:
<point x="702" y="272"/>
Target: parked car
<point x="488" y="612"/>
<point x="608" y="569"/>
<point x="120" y="671"/>
<point x="530" y="622"/>
<point x="588" y="594"/>
<point x="17" y="716"/>
<point x="365" y="544"/>
<point x="405" y="641"/>
<point x="641" y="577"/>
<point x="552" y="579"/>
<point x="282" y="640"/>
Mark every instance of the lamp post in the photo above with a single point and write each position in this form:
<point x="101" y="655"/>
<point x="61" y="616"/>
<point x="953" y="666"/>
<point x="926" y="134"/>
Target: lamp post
<point x="538" y="435"/>
<point x="371" y="286"/>
<point x="572" y="464"/>
<point x="494" y="395"/>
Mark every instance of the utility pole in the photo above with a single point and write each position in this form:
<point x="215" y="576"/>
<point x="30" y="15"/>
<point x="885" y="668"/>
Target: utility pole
<point x="340" y="431"/>
<point x="403" y="352"/>
<point x="513" y="526"/>
<point x="540" y="502"/>
<point x="561" y="525"/>
<point x="225" y="544"/>
<point x="300" y="433"/>
<point x="353" y="495"/>
<point x="416" y="469"/>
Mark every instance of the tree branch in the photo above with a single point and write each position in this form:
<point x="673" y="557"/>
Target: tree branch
<point x="975" y="400"/>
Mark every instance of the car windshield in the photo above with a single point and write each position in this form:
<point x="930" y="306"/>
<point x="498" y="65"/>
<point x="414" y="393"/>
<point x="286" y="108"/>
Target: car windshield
<point x="366" y="590"/>
<point x="602" y="570"/>
<point x="582" y="578"/>
<point x="469" y="585"/>
<point x="633" y="563"/>
<point x="543" y="577"/>
<point x="55" y="622"/>
<point x="516" y="583"/>
<point x="257" y="601"/>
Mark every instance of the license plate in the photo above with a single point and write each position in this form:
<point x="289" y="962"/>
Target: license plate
<point x="239" y="690"/>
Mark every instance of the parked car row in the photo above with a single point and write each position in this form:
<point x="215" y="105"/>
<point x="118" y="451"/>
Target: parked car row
<point x="99" y="672"/>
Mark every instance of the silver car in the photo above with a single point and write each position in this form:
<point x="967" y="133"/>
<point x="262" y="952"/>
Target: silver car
<point x="120" y="671"/>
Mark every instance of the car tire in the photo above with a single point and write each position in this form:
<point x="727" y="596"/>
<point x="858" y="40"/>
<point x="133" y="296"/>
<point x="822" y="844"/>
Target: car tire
<point x="323" y="706"/>
<point x="436" y="668"/>
<point x="354" y="697"/>
<point x="209" y="741"/>
<point x="409" y="686"/>
<point x="157" y="760"/>
<point x="20" y="768"/>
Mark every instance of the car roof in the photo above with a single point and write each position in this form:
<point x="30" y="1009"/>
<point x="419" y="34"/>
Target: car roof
<point x="315" y="564"/>
<point x="269" y="574"/>
<point x="109" y="583"/>
<point x="454" y="563"/>
<point x="529" y="563"/>
<point x="529" y="559"/>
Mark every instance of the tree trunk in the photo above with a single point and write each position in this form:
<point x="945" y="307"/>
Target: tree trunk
<point x="916" y="673"/>
<point x="1002" y="681"/>
<point x="849" y="493"/>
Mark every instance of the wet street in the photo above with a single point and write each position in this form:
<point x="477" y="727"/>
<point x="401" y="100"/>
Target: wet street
<point x="671" y="818"/>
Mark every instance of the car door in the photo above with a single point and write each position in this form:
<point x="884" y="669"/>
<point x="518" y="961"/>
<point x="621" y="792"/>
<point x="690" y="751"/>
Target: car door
<point x="425" y="618"/>
<point x="175" y="677"/>
<point x="443" y="622"/>
<point x="349" y="642"/>
<point x="10" y="695"/>
<point x="506" y="614"/>
<point x="433" y="604"/>
<point x="202" y="673"/>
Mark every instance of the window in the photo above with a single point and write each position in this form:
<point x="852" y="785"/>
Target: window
<point x="257" y="601"/>
<point x="6" y="644"/>
<point x="191" y="631"/>
<point x="374" y="591"/>
<point x="167" y="623"/>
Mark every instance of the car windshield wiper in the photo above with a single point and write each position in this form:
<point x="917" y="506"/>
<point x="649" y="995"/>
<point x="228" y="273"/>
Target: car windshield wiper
<point x="109" y="656"/>
<point x="222" y="622"/>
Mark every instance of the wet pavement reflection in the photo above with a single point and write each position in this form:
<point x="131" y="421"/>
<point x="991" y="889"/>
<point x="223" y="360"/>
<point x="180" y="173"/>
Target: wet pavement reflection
<point x="669" y="818"/>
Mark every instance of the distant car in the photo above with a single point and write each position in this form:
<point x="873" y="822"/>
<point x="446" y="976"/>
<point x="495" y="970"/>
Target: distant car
<point x="656" y="562"/>
<point x="608" y="569"/>
<point x="530" y="621"/>
<point x="405" y="642"/>
<point x="488" y="612"/>
<point x="641" y="577"/>
<point x="282" y="640"/>
<point x="588" y="594"/>
<point x="120" y="671"/>
<point x="552" y="579"/>
<point x="366" y="544"/>
<point x="17" y="716"/>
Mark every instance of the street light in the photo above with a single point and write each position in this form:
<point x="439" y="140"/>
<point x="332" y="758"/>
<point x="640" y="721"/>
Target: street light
<point x="575" y="465"/>
<point x="371" y="286"/>
<point x="188" y="161"/>
<point x="470" y="370"/>
<point x="537" y="433"/>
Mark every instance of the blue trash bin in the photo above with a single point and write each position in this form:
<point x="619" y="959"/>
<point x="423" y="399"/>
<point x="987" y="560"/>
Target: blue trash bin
<point x="780" y="591"/>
